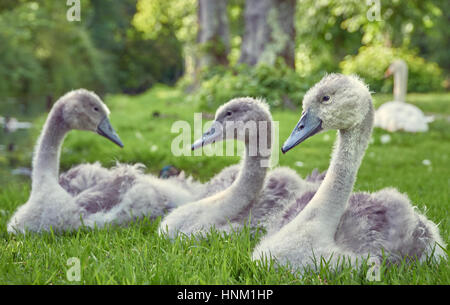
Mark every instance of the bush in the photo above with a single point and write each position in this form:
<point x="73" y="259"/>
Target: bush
<point x="372" y="61"/>
<point x="279" y="86"/>
<point x="142" y="62"/>
<point x="42" y="54"/>
<point x="19" y="67"/>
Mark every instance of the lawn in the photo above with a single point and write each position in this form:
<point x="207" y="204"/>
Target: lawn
<point x="137" y="255"/>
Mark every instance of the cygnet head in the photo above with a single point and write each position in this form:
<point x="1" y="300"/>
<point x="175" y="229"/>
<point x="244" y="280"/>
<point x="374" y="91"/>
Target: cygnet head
<point x="236" y="118"/>
<point x="336" y="102"/>
<point x="84" y="110"/>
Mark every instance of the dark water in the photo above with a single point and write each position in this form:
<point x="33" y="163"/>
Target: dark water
<point x="16" y="147"/>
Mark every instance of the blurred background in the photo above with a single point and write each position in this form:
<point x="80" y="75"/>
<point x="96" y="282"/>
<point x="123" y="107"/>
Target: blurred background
<point x="210" y="50"/>
<point x="128" y="46"/>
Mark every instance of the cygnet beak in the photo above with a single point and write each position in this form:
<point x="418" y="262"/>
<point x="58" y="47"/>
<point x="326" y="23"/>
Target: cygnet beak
<point x="213" y="134"/>
<point x="105" y="129"/>
<point x="308" y="126"/>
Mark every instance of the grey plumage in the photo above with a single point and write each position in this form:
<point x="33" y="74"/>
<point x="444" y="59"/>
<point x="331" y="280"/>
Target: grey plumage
<point x="372" y="222"/>
<point x="82" y="177"/>
<point x="316" y="176"/>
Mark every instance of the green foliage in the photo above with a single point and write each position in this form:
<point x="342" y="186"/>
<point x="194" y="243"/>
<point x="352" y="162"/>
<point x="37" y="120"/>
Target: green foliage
<point x="433" y="40"/>
<point x="43" y="54"/>
<point x="326" y="30"/>
<point x="237" y="25"/>
<point x="143" y="62"/>
<point x="18" y="65"/>
<point x="130" y="45"/>
<point x="160" y="17"/>
<point x="372" y="61"/>
<point x="137" y="60"/>
<point x="329" y="30"/>
<point x="279" y="85"/>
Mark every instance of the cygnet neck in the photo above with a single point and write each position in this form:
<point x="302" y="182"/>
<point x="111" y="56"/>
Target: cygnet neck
<point x="255" y="164"/>
<point x="47" y="153"/>
<point x="331" y="199"/>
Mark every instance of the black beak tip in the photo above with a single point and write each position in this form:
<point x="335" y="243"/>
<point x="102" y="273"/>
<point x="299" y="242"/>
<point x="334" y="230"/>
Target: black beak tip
<point x="284" y="149"/>
<point x="193" y="147"/>
<point x="114" y="139"/>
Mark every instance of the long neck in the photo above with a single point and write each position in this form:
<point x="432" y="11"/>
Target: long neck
<point x="47" y="152"/>
<point x="246" y="188"/>
<point x="330" y="200"/>
<point x="400" y="84"/>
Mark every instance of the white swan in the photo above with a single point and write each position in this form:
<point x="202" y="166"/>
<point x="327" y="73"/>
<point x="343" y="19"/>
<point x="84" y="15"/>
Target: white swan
<point x="252" y="198"/>
<point x="328" y="226"/>
<point x="398" y="115"/>
<point x="110" y="196"/>
<point x="12" y="124"/>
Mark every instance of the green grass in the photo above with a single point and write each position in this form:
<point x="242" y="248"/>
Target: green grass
<point x="137" y="255"/>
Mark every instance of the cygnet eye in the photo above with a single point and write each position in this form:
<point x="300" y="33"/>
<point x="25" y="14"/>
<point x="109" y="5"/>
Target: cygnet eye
<point x="95" y="108"/>
<point x="325" y="98"/>
<point x="229" y="113"/>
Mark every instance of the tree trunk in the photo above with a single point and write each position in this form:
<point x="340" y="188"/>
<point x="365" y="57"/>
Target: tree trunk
<point x="213" y="33"/>
<point x="269" y="32"/>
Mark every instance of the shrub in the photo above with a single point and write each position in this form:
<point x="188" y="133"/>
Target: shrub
<point x="42" y="54"/>
<point x="372" y="61"/>
<point x="279" y="86"/>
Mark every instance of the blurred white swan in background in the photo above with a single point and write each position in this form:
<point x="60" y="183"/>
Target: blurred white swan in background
<point x="397" y="115"/>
